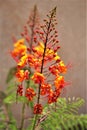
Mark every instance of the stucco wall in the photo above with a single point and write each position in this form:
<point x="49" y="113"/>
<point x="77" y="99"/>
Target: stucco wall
<point x="71" y="16"/>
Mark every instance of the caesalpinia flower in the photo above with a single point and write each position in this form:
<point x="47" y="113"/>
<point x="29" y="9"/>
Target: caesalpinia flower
<point x="53" y="69"/>
<point x="61" y="67"/>
<point x="19" y="49"/>
<point x="59" y="81"/>
<point x="34" y="62"/>
<point x="50" y="54"/>
<point x="22" y="75"/>
<point x="45" y="89"/>
<point x="53" y="96"/>
<point x="58" y="68"/>
<point x="20" y="90"/>
<point x="38" y="109"/>
<point x="30" y="93"/>
<point x="23" y="61"/>
<point x="42" y="58"/>
<point x="38" y="78"/>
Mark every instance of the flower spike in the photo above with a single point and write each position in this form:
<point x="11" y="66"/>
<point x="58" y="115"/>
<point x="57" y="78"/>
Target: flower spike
<point x="42" y="59"/>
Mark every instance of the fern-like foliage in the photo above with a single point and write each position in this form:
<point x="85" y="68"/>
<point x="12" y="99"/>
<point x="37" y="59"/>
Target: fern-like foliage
<point x="64" y="116"/>
<point x="7" y="121"/>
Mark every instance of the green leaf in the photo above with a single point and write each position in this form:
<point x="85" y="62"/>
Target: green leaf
<point x="30" y="126"/>
<point x="2" y="96"/>
<point x="65" y="117"/>
<point x="11" y="74"/>
<point x="2" y="126"/>
<point x="31" y="104"/>
<point x="10" y="98"/>
<point x="22" y="99"/>
<point x="12" y="127"/>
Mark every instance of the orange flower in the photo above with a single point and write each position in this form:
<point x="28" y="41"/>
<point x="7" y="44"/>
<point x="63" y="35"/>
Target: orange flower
<point x="59" y="82"/>
<point x="30" y="93"/>
<point x="45" y="89"/>
<point x="21" y="75"/>
<point x="20" y="90"/>
<point x="39" y="49"/>
<point x="52" y="97"/>
<point x="56" y="57"/>
<point x="49" y="55"/>
<point x="38" y="77"/>
<point x="23" y="61"/>
<point x="19" y="49"/>
<point x="54" y="70"/>
<point x="62" y="68"/>
<point x="34" y="62"/>
<point x="38" y="109"/>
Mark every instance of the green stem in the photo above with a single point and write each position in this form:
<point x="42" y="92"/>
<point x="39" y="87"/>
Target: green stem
<point x="23" y="110"/>
<point x="38" y="98"/>
<point x="55" y="106"/>
<point x="22" y="120"/>
<point x="45" y="45"/>
<point x="23" y="107"/>
<point x="36" y="116"/>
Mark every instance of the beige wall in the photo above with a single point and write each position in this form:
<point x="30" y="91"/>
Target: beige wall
<point x="71" y="16"/>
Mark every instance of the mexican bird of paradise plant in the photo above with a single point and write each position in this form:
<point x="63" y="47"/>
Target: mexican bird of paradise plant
<point x="37" y="60"/>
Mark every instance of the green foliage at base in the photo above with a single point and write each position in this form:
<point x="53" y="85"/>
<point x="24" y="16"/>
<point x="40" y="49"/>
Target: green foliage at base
<point x="64" y="116"/>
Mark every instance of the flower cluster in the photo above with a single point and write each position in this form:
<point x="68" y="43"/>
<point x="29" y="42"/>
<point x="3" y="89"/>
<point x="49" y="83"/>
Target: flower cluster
<point x="42" y="57"/>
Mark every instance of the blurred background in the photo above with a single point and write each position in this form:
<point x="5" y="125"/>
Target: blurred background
<point x="71" y="17"/>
